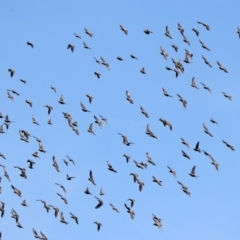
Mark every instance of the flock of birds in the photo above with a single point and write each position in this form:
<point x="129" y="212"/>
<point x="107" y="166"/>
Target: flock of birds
<point x="177" y="68"/>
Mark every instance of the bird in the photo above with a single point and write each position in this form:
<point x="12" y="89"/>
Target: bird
<point x="133" y="56"/>
<point x="30" y="44"/>
<point x="167" y="32"/>
<point x="24" y="203"/>
<point x="157" y="181"/>
<point x="53" y="88"/>
<point x="77" y="36"/>
<point x="227" y="96"/>
<point x="34" y="121"/>
<point x="31" y="163"/>
<point x="175" y="47"/>
<point x="163" y="52"/>
<point x="194" y="83"/>
<point x="91" y="178"/>
<point x="74" y="217"/>
<point x="71" y="47"/>
<point x="98" y="74"/>
<point x="110" y="168"/>
<point x="207" y="131"/>
<point x="228" y="145"/>
<point x="35" y="154"/>
<point x="23" y="172"/>
<point x="55" y="164"/>
<point x="125" y="140"/>
<point x="61" y="100"/>
<point x="101" y="192"/>
<point x="135" y="177"/>
<point x="71" y="160"/>
<point x="87" y="191"/>
<point x="215" y="164"/>
<point x="206" y="61"/>
<point x="86" y="46"/>
<point x="114" y="208"/>
<point x="127" y="157"/>
<point x="69" y="178"/>
<point x="124" y="29"/>
<point x="29" y="102"/>
<point x="221" y="67"/>
<point x="97" y="121"/>
<point x="172" y="171"/>
<point x="238" y="31"/>
<point x="184" y="102"/>
<point x="10" y="96"/>
<point x="129" y="210"/>
<point x="61" y="186"/>
<point x="197" y="149"/>
<point x="192" y="173"/>
<point x="100" y="203"/>
<point x="132" y="201"/>
<point x="206" y="87"/>
<point x="14" y="92"/>
<point x="90" y="129"/>
<point x="141" y="184"/>
<point x="47" y="207"/>
<point x="49" y="122"/>
<point x="90" y="98"/>
<point x="196" y="31"/>
<point x="129" y="97"/>
<point x="147" y="31"/>
<point x="144" y="112"/>
<point x="98" y="225"/>
<point x="40" y="148"/>
<point x="213" y="121"/>
<point x="11" y="71"/>
<point x="63" y="198"/>
<point x="84" y="108"/>
<point x="185" y="155"/>
<point x="166" y="123"/>
<point x="88" y="32"/>
<point x="23" y="81"/>
<point x="56" y="210"/>
<point x="16" y="191"/>
<point x="205" y="25"/>
<point x="166" y="93"/>
<point x="142" y="70"/>
<point x="150" y="133"/>
<point x="50" y="108"/>
<point x="185" y="143"/>
<point x="150" y="159"/>
<point x="103" y="119"/>
<point x="204" y="46"/>
<point x="62" y="220"/>
<point x="35" y="234"/>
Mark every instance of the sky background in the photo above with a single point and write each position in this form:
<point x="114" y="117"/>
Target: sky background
<point x="212" y="211"/>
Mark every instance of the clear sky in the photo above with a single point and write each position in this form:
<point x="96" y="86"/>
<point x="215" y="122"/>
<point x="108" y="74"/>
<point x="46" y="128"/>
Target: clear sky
<point x="212" y="211"/>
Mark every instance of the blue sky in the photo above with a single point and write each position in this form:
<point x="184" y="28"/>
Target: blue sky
<point x="212" y="211"/>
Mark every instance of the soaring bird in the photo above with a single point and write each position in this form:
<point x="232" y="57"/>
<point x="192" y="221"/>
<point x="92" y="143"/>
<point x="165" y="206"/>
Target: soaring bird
<point x="91" y="178"/>
<point x="125" y="140"/>
<point x="227" y="96"/>
<point x="196" y="31"/>
<point x="61" y="100"/>
<point x="185" y="155"/>
<point x="157" y="181"/>
<point x="150" y="159"/>
<point x="204" y="46"/>
<point x="86" y="46"/>
<point x="172" y="171"/>
<point x="127" y="157"/>
<point x="194" y="83"/>
<point x="166" y="123"/>
<point x="90" y="98"/>
<point x="129" y="97"/>
<point x="63" y="198"/>
<point x="184" y="142"/>
<point x="144" y="112"/>
<point x="74" y="217"/>
<point x="62" y="220"/>
<point x="228" y="145"/>
<point x="110" y="168"/>
<point x="150" y="133"/>
<point x="167" y="32"/>
<point x="30" y="44"/>
<point x="84" y="108"/>
<point x="175" y="47"/>
<point x="124" y="29"/>
<point x="90" y="129"/>
<point x="221" y="67"/>
<point x="88" y="32"/>
<point x="77" y="36"/>
<point x="184" y="102"/>
<point x="61" y="186"/>
<point x="206" y="61"/>
<point x="205" y="25"/>
<point x="163" y="52"/>
<point x="147" y="31"/>
<point x="142" y="70"/>
<point x="206" y="87"/>
<point x="114" y="208"/>
<point x="50" y="108"/>
<point x="207" y="131"/>
<point x="166" y="93"/>
<point x="130" y="211"/>
<point x="16" y="191"/>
